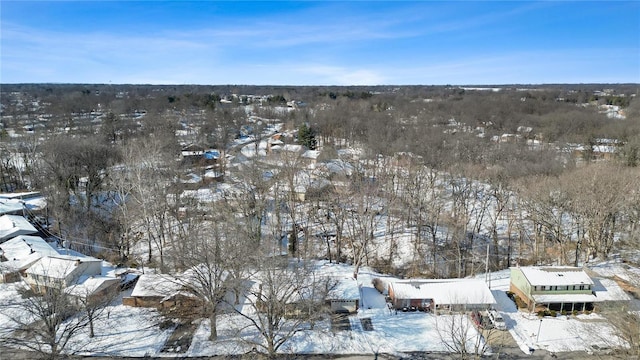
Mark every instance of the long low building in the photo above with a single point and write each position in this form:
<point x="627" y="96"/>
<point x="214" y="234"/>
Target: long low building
<point x="440" y="294"/>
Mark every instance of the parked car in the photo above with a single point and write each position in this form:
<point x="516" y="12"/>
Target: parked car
<point x="481" y="320"/>
<point x="497" y="320"/>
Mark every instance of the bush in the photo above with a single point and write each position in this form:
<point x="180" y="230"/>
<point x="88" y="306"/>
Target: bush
<point x="547" y="312"/>
<point x="166" y="324"/>
<point x="519" y="302"/>
<point x="379" y="285"/>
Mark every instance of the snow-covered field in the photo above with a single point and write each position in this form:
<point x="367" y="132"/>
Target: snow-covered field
<point x="129" y="331"/>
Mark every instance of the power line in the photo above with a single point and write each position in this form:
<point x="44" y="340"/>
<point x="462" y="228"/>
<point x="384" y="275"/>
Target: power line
<point x="70" y="240"/>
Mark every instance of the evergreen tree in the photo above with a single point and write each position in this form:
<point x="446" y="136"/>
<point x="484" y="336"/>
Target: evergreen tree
<point x="307" y="137"/>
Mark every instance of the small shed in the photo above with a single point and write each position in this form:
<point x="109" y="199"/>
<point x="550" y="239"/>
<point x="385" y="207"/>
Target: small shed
<point x="345" y="296"/>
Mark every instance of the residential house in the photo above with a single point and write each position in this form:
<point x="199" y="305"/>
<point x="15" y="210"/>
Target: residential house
<point x="440" y="295"/>
<point x="152" y="290"/>
<point x="14" y="225"/>
<point x="61" y="271"/>
<point x="554" y="287"/>
<point x="19" y="253"/>
<point x="198" y="155"/>
<point x="310" y="157"/>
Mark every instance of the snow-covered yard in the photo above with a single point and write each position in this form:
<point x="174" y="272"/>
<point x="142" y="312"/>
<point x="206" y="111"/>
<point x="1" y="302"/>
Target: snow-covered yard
<point x="392" y="333"/>
<point x="130" y="331"/>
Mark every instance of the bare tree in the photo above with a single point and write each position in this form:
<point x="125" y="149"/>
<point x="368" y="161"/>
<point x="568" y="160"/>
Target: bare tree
<point x="362" y="216"/>
<point x="547" y="205"/>
<point x="459" y="335"/>
<point x="252" y="197"/>
<point x="216" y="262"/>
<point x="625" y="320"/>
<point x="470" y="203"/>
<point x="93" y="300"/>
<point x="286" y="297"/>
<point x="45" y="323"/>
<point x="600" y="204"/>
<point x="142" y="207"/>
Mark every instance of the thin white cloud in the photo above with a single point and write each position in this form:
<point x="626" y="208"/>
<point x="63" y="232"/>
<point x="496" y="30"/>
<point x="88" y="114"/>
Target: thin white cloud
<point x="536" y="67"/>
<point x="327" y="44"/>
<point x="336" y="75"/>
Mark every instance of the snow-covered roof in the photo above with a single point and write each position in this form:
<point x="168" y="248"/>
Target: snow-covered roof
<point x="555" y="275"/>
<point x="609" y="290"/>
<point x="249" y="150"/>
<point x="445" y="291"/>
<point x="8" y="206"/>
<point x="14" y="225"/>
<point x="32" y="200"/>
<point x="88" y="285"/>
<point x="213" y="174"/>
<point x="21" y="195"/>
<point x="565" y="298"/>
<point x="339" y="167"/>
<point x="604" y="149"/>
<point x="346" y="289"/>
<point x="24" y="250"/>
<point x="59" y="266"/>
<point x="292" y="147"/>
<point x="311" y="154"/>
<point x="156" y="285"/>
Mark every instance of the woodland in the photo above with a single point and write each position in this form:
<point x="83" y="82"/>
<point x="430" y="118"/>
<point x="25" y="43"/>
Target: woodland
<point x="515" y="169"/>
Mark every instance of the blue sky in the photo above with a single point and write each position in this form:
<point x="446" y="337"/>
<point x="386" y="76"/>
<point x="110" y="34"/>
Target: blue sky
<point x="320" y="42"/>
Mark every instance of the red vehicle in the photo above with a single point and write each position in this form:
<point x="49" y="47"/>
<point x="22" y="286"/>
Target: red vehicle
<point x="480" y="321"/>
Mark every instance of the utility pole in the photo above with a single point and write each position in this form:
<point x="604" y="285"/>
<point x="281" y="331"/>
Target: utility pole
<point x="487" y="276"/>
<point x="539" y="327"/>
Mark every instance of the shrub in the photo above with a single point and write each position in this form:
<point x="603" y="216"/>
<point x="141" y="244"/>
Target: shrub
<point x="519" y="302"/>
<point x="379" y="285"/>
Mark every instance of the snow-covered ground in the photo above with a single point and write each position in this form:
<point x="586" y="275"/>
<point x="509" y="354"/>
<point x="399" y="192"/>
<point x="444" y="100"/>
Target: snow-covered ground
<point x="129" y="331"/>
<point x="392" y="333"/>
